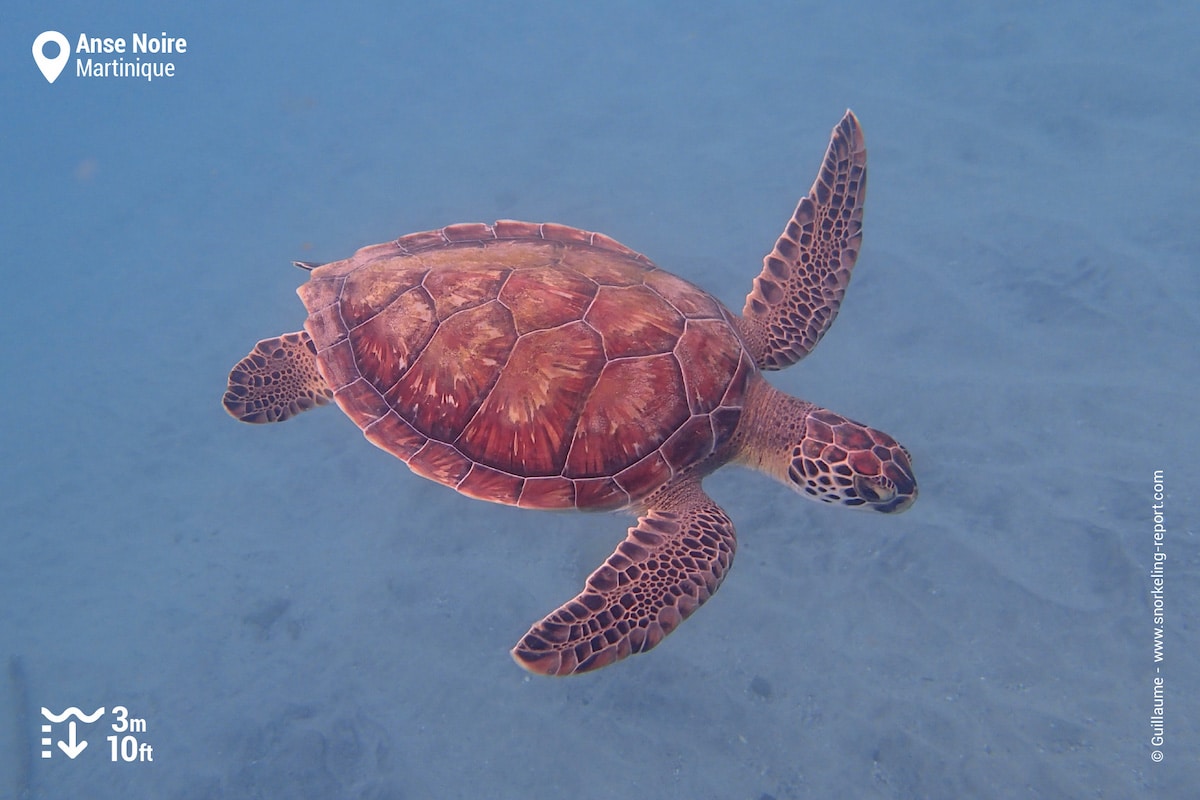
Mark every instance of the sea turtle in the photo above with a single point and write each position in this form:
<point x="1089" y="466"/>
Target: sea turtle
<point x="543" y="366"/>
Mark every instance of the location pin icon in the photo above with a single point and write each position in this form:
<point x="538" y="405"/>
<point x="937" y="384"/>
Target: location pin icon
<point x="51" y="67"/>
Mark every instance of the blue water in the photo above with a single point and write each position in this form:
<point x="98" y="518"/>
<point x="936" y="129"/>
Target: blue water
<point x="294" y="614"/>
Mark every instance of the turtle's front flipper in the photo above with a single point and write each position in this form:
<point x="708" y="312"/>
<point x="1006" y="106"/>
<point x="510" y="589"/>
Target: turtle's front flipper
<point x="279" y="379"/>
<point x="671" y="562"/>
<point x="804" y="277"/>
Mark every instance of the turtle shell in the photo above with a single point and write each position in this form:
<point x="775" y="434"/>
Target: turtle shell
<point x="533" y="365"/>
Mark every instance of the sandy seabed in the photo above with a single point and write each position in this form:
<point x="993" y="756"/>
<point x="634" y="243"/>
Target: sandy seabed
<point x="291" y="613"/>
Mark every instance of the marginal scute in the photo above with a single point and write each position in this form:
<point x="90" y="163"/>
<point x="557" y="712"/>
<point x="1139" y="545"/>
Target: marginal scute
<point x="413" y="243"/>
<point x="326" y="326"/>
<point x="516" y="229"/>
<point x="393" y="434"/>
<point x="692" y="443"/>
<point x="440" y="462"/>
<point x="337" y="363"/>
<point x="600" y="494"/>
<point x="651" y="472"/>
<point x="565" y="233"/>
<point x="361" y="402"/>
<point x="322" y="292"/>
<point x="467" y="232"/>
<point x="548" y="493"/>
<point x="485" y="483"/>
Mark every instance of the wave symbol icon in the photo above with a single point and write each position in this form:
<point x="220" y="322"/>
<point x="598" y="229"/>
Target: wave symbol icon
<point x="72" y="712"/>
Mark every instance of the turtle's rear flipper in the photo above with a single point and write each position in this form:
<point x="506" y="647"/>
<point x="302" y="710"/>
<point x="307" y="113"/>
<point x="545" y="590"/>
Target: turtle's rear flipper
<point x="670" y="562"/>
<point x="277" y="380"/>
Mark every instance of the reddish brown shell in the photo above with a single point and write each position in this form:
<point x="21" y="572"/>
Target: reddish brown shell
<point x="535" y="365"/>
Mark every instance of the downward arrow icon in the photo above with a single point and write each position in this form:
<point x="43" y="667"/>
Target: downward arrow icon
<point x="71" y="747"/>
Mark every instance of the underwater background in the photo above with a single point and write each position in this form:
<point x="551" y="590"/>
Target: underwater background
<point x="290" y="612"/>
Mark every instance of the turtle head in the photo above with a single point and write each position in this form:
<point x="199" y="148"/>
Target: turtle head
<point x="838" y="460"/>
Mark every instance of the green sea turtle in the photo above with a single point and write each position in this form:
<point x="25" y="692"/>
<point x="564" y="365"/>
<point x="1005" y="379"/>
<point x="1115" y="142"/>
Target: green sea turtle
<point x="543" y="366"/>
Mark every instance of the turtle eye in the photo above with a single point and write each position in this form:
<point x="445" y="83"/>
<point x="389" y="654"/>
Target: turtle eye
<point x="873" y="490"/>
